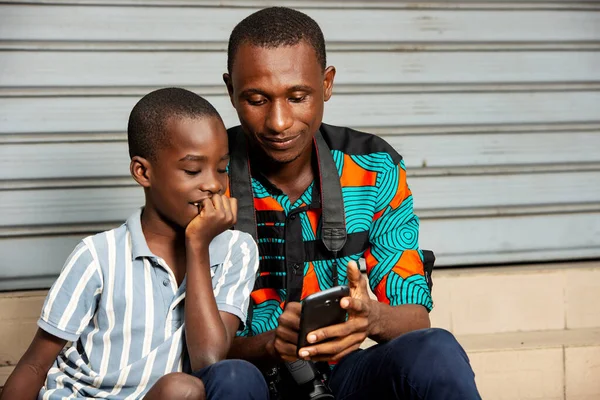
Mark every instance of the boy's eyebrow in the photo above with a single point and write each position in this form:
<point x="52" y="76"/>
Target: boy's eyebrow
<point x="194" y="157"/>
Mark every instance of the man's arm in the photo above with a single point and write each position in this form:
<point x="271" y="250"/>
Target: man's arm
<point x="270" y="348"/>
<point x="395" y="271"/>
<point x="30" y="373"/>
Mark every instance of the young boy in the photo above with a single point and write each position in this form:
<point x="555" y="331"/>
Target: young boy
<point x="114" y="324"/>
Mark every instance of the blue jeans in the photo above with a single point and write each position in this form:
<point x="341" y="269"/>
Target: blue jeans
<point x="426" y="364"/>
<point x="233" y="379"/>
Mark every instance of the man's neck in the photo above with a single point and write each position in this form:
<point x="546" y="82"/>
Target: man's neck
<point x="293" y="178"/>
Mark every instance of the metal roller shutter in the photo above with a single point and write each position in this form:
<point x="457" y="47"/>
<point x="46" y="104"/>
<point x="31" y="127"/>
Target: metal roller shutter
<point x="494" y="105"/>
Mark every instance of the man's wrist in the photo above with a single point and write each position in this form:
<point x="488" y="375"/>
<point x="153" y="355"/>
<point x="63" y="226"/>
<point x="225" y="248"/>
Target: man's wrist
<point x="374" y="329"/>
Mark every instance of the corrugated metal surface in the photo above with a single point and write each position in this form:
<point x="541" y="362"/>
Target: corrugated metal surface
<point x="495" y="106"/>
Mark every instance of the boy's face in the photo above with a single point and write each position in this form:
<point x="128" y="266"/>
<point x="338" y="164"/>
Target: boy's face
<point x="279" y="96"/>
<point x="191" y="168"/>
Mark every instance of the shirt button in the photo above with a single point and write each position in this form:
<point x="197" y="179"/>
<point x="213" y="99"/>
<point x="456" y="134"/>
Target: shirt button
<point x="293" y="217"/>
<point x="166" y="282"/>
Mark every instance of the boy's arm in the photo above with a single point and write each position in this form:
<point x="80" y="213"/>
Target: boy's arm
<point x="30" y="373"/>
<point x="208" y="331"/>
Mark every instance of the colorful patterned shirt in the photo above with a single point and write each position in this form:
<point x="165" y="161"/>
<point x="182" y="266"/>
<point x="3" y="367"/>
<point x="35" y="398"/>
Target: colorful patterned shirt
<point x="380" y="223"/>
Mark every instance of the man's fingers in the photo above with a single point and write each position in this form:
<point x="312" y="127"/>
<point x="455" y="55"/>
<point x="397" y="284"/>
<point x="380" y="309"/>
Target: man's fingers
<point x="291" y="316"/>
<point x="353" y="305"/>
<point x="349" y="327"/>
<point x="286" y="350"/>
<point x="333" y="350"/>
<point x="286" y="334"/>
<point x="354" y="275"/>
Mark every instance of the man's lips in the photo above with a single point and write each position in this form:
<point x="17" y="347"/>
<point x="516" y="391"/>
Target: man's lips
<point x="280" y="143"/>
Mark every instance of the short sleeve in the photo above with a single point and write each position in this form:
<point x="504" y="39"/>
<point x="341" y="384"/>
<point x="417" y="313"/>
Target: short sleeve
<point x="394" y="261"/>
<point x="72" y="299"/>
<point x="234" y="278"/>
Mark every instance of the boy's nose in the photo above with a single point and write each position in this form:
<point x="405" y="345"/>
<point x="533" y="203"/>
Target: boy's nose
<point x="212" y="184"/>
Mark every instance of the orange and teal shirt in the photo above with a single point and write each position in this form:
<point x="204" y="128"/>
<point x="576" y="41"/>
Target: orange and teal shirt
<point x="381" y="227"/>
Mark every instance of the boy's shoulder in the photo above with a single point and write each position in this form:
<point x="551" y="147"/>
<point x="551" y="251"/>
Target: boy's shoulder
<point x="230" y="244"/>
<point x="101" y="244"/>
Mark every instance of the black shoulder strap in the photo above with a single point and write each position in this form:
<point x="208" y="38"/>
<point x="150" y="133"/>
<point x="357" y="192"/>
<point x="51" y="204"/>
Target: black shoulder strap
<point x="240" y="184"/>
<point x="333" y="231"/>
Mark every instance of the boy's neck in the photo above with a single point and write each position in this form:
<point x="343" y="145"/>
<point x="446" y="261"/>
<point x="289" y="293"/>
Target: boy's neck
<point x="165" y="241"/>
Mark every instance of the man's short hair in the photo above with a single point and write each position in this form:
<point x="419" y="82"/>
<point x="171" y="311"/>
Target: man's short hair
<point x="146" y="131"/>
<point x="275" y="27"/>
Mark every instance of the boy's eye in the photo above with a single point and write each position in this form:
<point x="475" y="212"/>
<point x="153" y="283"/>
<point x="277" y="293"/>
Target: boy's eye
<point x="188" y="172"/>
<point x="222" y="171"/>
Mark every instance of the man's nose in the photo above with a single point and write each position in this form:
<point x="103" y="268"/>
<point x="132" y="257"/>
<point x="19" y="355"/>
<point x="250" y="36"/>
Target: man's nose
<point x="280" y="116"/>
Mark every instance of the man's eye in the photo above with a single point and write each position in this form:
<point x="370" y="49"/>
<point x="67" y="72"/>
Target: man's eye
<point x="298" y="99"/>
<point x="256" y="101"/>
<point x="188" y="172"/>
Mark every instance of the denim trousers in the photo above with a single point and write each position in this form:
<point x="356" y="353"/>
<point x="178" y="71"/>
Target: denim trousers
<point x="425" y="364"/>
<point x="233" y="379"/>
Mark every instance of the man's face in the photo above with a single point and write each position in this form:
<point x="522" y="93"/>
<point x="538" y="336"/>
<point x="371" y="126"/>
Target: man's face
<point x="191" y="168"/>
<point x="279" y="96"/>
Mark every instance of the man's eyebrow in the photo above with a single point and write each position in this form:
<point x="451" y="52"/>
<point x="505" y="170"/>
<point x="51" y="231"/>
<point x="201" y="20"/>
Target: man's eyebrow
<point x="252" y="91"/>
<point x="301" y="88"/>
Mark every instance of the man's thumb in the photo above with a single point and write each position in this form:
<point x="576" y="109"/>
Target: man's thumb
<point x="353" y="272"/>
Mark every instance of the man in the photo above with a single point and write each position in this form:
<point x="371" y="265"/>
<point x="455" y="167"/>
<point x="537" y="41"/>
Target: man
<point x="318" y="198"/>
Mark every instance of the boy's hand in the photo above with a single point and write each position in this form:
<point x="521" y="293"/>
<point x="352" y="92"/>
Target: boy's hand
<point x="216" y="214"/>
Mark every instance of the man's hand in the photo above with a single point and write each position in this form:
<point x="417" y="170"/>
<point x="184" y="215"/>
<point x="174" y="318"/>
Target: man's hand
<point x="348" y="336"/>
<point x="283" y="345"/>
<point x="216" y="214"/>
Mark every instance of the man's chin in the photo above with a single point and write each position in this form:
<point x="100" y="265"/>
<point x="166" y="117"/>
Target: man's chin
<point x="282" y="159"/>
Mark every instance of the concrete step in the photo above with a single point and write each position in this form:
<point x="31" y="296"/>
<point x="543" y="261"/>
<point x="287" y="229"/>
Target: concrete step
<point x="469" y="301"/>
<point x="546" y="365"/>
<point x="532" y="332"/>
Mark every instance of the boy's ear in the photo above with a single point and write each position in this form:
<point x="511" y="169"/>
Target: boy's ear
<point x="228" y="83"/>
<point x="140" y="169"/>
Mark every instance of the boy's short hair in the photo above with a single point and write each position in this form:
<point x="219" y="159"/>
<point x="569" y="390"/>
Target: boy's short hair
<point x="275" y="27"/>
<point x="146" y="130"/>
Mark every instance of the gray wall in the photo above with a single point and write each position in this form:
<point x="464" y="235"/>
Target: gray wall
<point x="494" y="105"/>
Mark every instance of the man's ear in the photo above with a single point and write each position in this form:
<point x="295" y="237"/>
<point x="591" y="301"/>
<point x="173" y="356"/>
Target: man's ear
<point x="140" y="169"/>
<point x="229" y="84"/>
<point x="328" y="82"/>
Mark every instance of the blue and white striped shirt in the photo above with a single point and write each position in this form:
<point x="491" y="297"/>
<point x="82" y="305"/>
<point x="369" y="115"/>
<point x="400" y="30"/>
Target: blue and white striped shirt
<point x="119" y="308"/>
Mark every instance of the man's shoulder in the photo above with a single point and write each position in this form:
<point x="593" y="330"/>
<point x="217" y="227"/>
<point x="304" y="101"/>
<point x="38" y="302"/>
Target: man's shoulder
<point x="356" y="143"/>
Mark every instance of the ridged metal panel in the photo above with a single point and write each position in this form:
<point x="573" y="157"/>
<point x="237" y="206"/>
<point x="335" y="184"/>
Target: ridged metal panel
<point x="494" y="105"/>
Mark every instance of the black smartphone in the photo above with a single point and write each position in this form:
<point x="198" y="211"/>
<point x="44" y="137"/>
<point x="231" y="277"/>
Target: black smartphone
<point x="321" y="309"/>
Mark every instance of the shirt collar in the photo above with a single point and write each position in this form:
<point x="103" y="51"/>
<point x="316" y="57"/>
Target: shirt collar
<point x="139" y="246"/>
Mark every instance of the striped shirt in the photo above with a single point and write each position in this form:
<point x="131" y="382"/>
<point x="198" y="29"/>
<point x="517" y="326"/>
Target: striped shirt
<point x="122" y="314"/>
